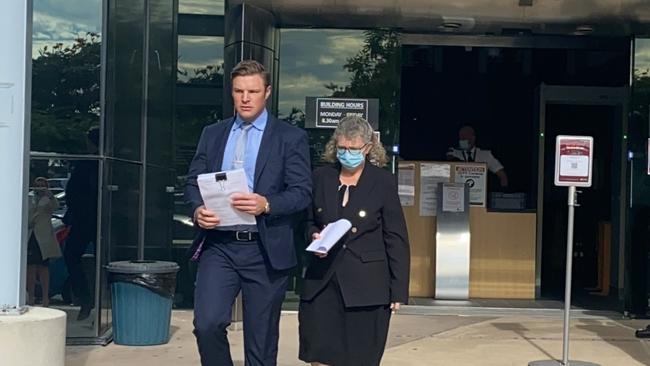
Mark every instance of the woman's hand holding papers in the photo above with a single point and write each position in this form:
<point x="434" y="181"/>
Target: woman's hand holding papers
<point x="316" y="236"/>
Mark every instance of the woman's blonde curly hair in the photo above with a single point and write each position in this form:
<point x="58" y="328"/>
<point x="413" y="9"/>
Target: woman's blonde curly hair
<point x="351" y="127"/>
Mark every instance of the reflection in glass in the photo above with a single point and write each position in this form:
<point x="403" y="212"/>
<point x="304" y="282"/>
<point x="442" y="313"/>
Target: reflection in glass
<point x="200" y="72"/>
<point x="313" y="63"/>
<point x="198" y="103"/>
<point x="125" y="79"/>
<point x="638" y="124"/>
<point x="71" y="219"/>
<point x="340" y="63"/>
<point x="200" y="60"/>
<point x="212" y="7"/>
<point x="121" y="206"/>
<point x="65" y="74"/>
<point x="42" y="245"/>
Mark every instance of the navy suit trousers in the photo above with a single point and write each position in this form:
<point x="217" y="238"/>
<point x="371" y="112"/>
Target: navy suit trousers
<point x="224" y="270"/>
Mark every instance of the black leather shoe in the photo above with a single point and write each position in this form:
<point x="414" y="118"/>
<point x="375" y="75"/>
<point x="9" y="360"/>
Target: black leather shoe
<point x="84" y="313"/>
<point x="643" y="333"/>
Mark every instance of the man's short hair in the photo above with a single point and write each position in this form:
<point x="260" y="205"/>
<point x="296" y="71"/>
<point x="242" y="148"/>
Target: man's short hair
<point x="251" y="67"/>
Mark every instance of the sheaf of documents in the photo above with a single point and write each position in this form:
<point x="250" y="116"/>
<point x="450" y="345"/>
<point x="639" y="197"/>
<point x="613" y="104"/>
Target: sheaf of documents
<point x="330" y="236"/>
<point x="216" y="189"/>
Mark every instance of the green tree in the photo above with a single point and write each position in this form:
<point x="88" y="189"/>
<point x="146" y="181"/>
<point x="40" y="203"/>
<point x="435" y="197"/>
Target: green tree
<point x="66" y="95"/>
<point x="375" y="74"/>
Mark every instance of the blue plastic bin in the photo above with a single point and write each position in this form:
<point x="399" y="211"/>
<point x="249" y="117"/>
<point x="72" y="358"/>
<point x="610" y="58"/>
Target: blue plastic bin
<point x="142" y="296"/>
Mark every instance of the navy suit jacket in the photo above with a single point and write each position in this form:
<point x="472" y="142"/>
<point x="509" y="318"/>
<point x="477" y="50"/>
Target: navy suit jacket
<point x="282" y="175"/>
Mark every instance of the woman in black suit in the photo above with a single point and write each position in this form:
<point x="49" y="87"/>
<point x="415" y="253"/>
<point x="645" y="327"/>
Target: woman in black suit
<point x="350" y="292"/>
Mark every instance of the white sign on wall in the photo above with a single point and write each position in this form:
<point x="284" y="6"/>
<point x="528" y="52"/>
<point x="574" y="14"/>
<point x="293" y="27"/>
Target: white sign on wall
<point x="474" y="176"/>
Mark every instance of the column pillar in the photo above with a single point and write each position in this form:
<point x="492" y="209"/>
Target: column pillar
<point x="15" y="105"/>
<point x="250" y="33"/>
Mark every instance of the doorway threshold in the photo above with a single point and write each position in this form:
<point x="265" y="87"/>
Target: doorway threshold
<point x="500" y="307"/>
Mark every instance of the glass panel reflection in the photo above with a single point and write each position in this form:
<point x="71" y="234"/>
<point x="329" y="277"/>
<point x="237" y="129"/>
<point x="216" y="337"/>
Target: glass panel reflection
<point x="124" y="79"/>
<point x="200" y="60"/>
<point x="638" y="125"/>
<point x="121" y="206"/>
<point x="340" y="63"/>
<point x="158" y="213"/>
<point x="63" y="234"/>
<point x="66" y="51"/>
<point x="213" y="7"/>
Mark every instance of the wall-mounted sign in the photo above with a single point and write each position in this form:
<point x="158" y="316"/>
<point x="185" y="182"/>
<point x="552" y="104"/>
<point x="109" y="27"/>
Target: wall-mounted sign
<point x="453" y="197"/>
<point x="573" y="161"/>
<point x="327" y="112"/>
<point x="475" y="177"/>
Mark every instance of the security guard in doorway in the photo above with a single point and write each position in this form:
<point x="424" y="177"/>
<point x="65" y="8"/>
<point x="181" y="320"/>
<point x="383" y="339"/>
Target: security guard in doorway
<point x="467" y="151"/>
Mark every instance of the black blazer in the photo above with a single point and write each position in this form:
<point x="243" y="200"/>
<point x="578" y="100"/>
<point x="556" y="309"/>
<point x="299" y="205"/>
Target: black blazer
<point x="282" y="175"/>
<point x="372" y="261"/>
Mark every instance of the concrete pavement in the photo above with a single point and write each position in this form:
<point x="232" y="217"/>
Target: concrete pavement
<point x="417" y="340"/>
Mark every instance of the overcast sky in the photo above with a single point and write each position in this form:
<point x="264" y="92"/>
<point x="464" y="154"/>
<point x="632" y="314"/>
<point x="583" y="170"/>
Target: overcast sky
<point x="310" y="59"/>
<point x="195" y="52"/>
<point x="642" y="54"/>
<point x="201" y="6"/>
<point x="63" y="21"/>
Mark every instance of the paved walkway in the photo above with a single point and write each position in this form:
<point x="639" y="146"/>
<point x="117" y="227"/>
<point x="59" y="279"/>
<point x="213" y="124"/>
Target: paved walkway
<point x="417" y="340"/>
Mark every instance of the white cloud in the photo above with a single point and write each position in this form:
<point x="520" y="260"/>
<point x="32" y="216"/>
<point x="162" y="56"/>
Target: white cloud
<point x="294" y="89"/>
<point x="345" y="44"/>
<point x="198" y="52"/>
<point x="51" y="28"/>
<point x="642" y="54"/>
<point x="326" y="60"/>
<point x="311" y="59"/>
<point x="201" y="7"/>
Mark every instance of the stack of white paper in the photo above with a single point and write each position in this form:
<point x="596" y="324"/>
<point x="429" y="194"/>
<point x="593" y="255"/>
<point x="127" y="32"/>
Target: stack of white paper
<point x="330" y="236"/>
<point x="216" y="189"/>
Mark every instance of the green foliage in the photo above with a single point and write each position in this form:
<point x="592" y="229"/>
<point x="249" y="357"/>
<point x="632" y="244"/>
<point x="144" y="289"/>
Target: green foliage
<point x="375" y="74"/>
<point x="66" y="95"/>
<point x="209" y="74"/>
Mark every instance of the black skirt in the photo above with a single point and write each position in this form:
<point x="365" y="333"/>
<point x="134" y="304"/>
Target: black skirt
<point x="335" y="335"/>
<point x="34" y="255"/>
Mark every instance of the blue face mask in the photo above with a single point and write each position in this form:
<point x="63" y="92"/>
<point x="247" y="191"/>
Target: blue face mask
<point x="464" y="145"/>
<point x="350" y="160"/>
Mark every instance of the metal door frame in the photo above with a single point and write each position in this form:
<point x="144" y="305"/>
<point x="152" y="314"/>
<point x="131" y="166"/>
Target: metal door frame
<point x="617" y="97"/>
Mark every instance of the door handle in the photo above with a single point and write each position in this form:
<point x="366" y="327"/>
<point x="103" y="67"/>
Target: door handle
<point x="158" y="59"/>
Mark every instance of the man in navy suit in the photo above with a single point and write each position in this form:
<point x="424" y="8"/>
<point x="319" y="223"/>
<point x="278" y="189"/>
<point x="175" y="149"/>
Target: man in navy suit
<point x="254" y="259"/>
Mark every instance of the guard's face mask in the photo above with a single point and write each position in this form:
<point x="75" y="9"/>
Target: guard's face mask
<point x="464" y="144"/>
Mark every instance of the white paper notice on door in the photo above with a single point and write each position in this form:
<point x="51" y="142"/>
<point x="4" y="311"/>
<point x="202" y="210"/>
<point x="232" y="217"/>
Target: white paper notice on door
<point x="453" y="198"/>
<point x="406" y="184"/>
<point x="430" y="175"/>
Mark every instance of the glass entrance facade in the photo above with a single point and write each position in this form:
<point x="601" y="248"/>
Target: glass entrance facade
<point x="122" y="90"/>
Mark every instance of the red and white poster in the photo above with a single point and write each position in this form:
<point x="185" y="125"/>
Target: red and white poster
<point x="573" y="160"/>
